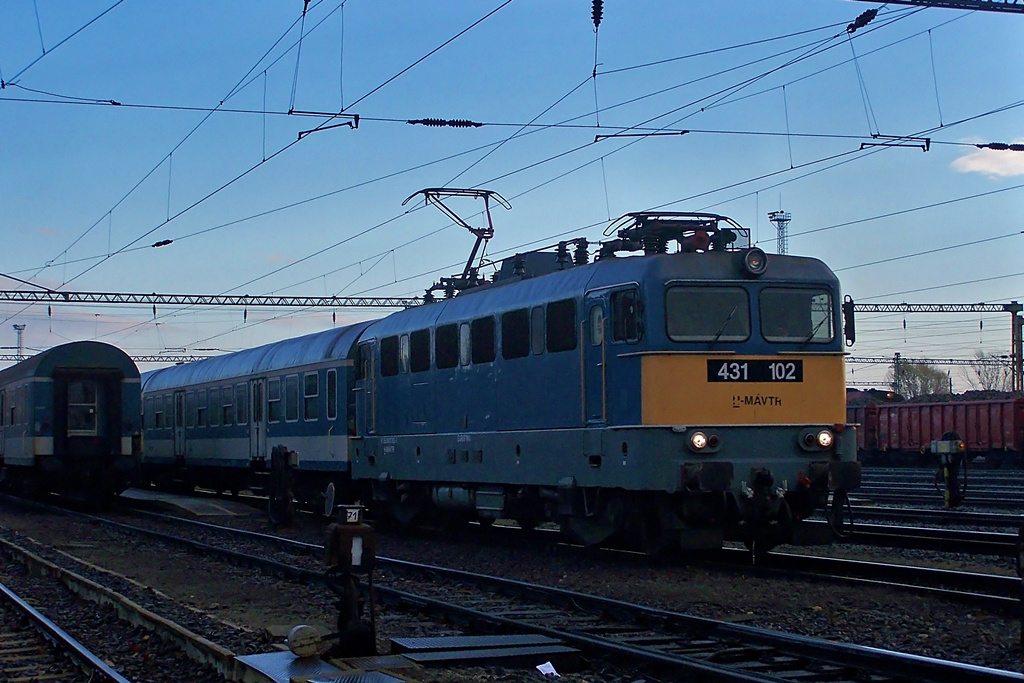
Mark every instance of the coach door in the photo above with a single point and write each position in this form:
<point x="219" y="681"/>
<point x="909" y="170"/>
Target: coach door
<point x="179" y="424"/>
<point x="594" y="376"/>
<point x="257" y="419"/>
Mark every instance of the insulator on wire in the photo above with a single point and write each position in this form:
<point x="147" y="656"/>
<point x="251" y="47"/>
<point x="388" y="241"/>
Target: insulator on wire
<point x="245" y="315"/>
<point x="1002" y="146"/>
<point x="597" y="13"/>
<point x="154" y="311"/>
<point x="862" y="20"/>
<point x="440" y="123"/>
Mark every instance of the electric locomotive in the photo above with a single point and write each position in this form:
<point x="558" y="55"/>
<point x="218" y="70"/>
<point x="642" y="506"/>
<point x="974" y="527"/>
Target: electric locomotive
<point x="673" y="399"/>
<point x="70" y="421"/>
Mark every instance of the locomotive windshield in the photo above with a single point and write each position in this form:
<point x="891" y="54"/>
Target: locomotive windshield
<point x="796" y="315"/>
<point x="707" y="314"/>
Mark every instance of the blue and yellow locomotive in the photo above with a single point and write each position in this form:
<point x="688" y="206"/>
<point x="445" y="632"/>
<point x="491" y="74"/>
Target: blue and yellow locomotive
<point x="690" y="393"/>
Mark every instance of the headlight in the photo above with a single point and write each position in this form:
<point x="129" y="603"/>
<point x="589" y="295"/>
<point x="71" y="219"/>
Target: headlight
<point x="825" y="438"/>
<point x="698" y="441"/>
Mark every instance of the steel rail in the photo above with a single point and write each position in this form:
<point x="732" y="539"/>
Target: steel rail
<point x="62" y="639"/>
<point x="893" y="665"/>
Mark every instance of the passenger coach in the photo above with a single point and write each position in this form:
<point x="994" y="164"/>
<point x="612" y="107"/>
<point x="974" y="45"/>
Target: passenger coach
<point x="70" y="421"/>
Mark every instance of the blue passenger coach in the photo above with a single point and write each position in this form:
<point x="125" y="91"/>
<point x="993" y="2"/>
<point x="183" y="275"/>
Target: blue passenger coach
<point x="215" y="423"/>
<point x="70" y="421"/>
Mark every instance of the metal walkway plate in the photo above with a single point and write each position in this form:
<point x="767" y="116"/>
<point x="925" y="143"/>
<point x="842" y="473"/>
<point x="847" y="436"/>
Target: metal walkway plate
<point x="199" y="507"/>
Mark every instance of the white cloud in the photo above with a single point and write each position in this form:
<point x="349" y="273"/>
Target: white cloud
<point x="991" y="162"/>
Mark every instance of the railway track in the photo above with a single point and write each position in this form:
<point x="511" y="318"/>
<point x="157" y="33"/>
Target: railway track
<point x="34" y="648"/>
<point x="987" y="489"/>
<point x="675" y="643"/>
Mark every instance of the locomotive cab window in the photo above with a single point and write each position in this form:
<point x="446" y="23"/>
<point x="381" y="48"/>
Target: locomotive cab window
<point x="796" y="315"/>
<point x="707" y="314"/>
<point x="82" y="407"/>
<point x="626" y="315"/>
<point x="596" y="325"/>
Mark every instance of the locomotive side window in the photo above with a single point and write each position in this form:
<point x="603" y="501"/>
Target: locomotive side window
<point x="403" y="354"/>
<point x="483" y="340"/>
<point x="241" y="404"/>
<point x="389" y="356"/>
<point x="625" y="315"/>
<point x="274" y="400"/>
<point x="214" y="407"/>
<point x="537" y="330"/>
<point x="226" y="408"/>
<point x="796" y="315"/>
<point x="332" y="394"/>
<point x="707" y="314"/>
<point x="446" y="346"/>
<point x="515" y="334"/>
<point x="311" y="396"/>
<point x="82" y="407"/>
<point x="561" y="326"/>
<point x="419" y="351"/>
<point x="464" y="346"/>
<point x="291" y="398"/>
<point x="596" y="325"/>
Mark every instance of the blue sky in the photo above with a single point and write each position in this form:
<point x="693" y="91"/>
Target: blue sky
<point x="777" y="96"/>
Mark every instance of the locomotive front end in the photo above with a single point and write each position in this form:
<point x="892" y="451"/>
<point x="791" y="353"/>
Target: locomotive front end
<point x="752" y="381"/>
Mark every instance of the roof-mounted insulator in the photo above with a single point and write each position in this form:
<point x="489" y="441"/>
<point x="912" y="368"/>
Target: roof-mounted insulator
<point x="1002" y="146"/>
<point x="597" y="13"/>
<point x="580" y="257"/>
<point x="450" y="123"/>
<point x="862" y="20"/>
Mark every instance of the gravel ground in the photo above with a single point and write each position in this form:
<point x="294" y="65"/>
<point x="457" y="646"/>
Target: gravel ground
<point x="868" y="616"/>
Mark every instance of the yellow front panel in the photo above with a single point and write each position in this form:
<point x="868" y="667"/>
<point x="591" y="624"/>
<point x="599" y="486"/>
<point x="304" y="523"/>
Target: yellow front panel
<point x="676" y="391"/>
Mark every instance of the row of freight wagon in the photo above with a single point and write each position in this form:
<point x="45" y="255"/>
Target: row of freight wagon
<point x="900" y="434"/>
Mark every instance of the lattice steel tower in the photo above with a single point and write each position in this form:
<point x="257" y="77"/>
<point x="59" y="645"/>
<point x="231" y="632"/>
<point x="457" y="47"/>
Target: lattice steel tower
<point x="781" y="220"/>
<point x="20" y="329"/>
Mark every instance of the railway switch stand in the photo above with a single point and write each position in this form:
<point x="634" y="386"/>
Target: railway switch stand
<point x="950" y="449"/>
<point x="351" y="550"/>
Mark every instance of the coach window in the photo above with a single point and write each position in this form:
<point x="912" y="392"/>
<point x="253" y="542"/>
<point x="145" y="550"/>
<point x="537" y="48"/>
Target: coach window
<point x="596" y="325"/>
<point x="626" y="315"/>
<point x="389" y="356"/>
<point x="464" y="344"/>
<point x="483" y="340"/>
<point x="311" y="396"/>
<point x="707" y="314"/>
<point x="796" y="315"/>
<point x="201" y="408"/>
<point x="515" y="334"/>
<point x="291" y="398"/>
<point x="537" y="330"/>
<point x="241" y="404"/>
<point x="419" y="351"/>
<point x="157" y="421"/>
<point x="190" y="409"/>
<point x="226" y="408"/>
<point x="82" y="407"/>
<point x="332" y="394"/>
<point x="274" y="400"/>
<point x="561" y="326"/>
<point x="446" y="346"/>
<point x="168" y="407"/>
<point x="214" y="407"/>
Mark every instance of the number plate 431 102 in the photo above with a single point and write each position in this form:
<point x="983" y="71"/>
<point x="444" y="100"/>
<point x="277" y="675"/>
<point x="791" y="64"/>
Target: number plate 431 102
<point x="722" y="370"/>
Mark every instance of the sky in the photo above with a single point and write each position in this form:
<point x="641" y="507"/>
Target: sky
<point x="230" y="129"/>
